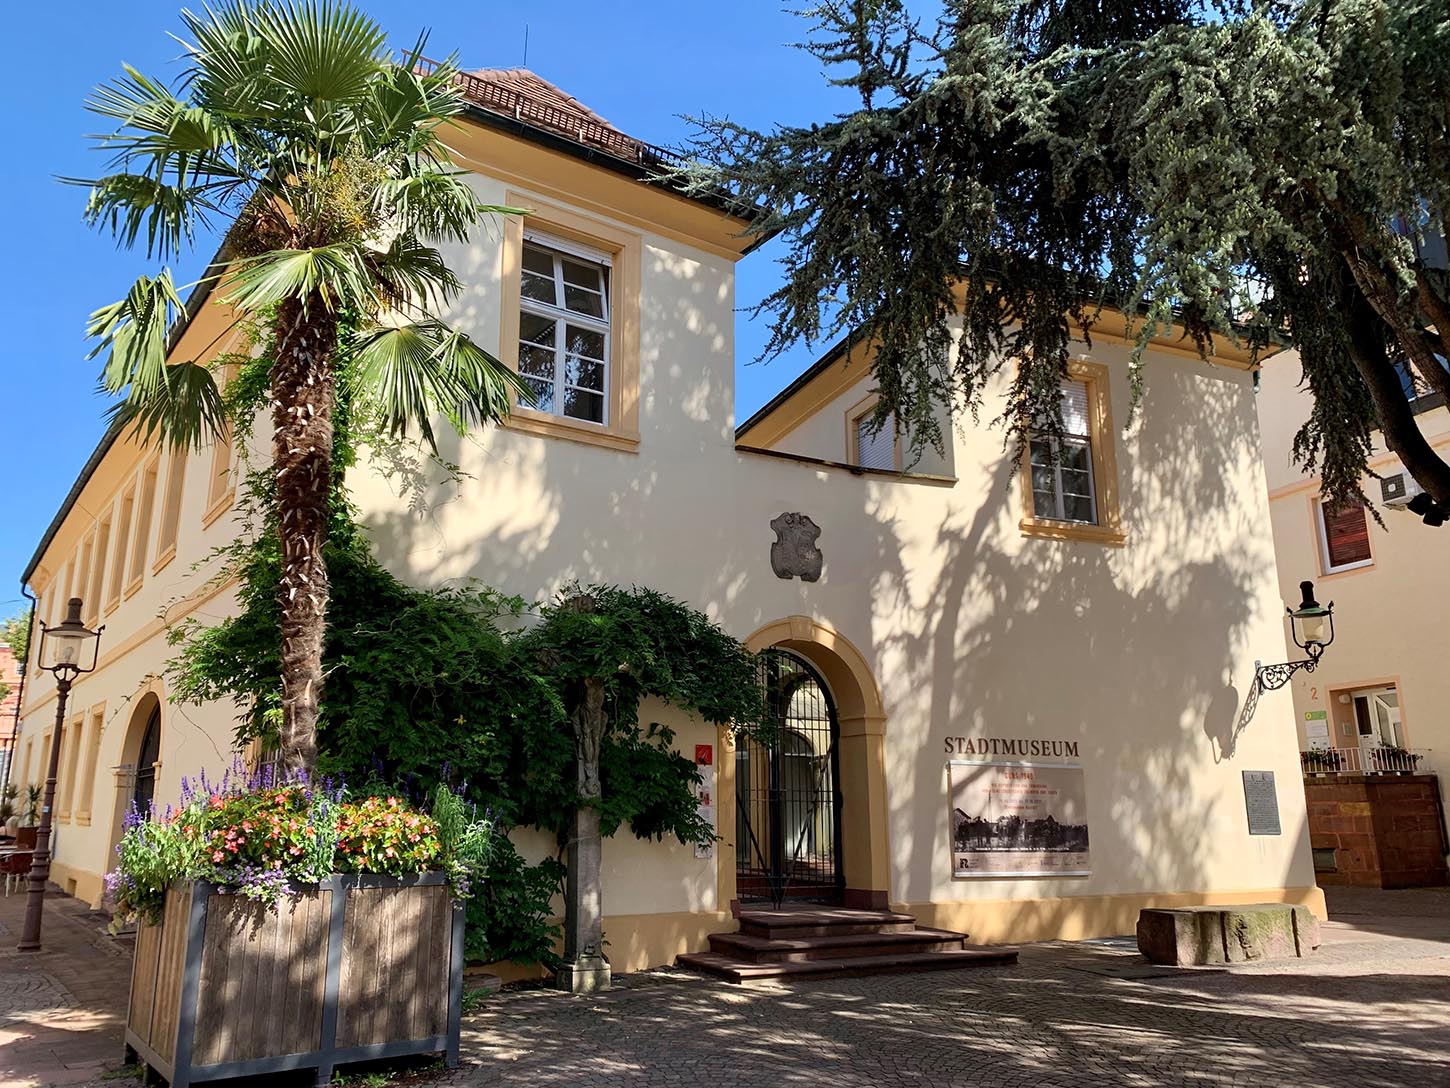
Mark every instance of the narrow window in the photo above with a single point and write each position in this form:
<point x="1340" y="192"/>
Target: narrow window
<point x="564" y="328"/>
<point x="171" y="507"/>
<point x="219" y="485"/>
<point x="96" y="590"/>
<point x="1063" y="488"/>
<point x="91" y="753"/>
<point x="123" y="537"/>
<point x="1344" y="537"/>
<point x="145" y="504"/>
<point x="83" y="573"/>
<point x="67" y="586"/>
<point x="876" y="449"/>
<point x="70" y="738"/>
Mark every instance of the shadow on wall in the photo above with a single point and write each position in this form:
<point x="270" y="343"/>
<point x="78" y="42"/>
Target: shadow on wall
<point x="1139" y="652"/>
<point x="972" y="629"/>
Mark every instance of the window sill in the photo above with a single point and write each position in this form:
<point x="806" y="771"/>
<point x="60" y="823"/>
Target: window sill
<point x="112" y="605"/>
<point x="217" y="509"/>
<point x="165" y="557"/>
<point x="83" y="819"/>
<point x="1047" y="529"/>
<point x="529" y="421"/>
<point x="1350" y="568"/>
<point x="132" y="586"/>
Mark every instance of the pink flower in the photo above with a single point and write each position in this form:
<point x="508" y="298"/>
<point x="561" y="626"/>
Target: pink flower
<point x="217" y="856"/>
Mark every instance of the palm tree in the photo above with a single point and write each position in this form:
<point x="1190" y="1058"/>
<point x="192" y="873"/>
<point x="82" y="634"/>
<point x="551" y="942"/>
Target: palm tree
<point x="321" y="153"/>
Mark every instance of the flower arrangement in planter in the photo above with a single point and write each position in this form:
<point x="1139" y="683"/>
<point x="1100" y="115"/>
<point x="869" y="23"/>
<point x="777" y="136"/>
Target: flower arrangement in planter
<point x="1394" y="759"/>
<point x="288" y="924"/>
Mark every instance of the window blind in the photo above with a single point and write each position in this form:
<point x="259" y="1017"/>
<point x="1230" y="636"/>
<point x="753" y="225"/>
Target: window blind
<point x="1346" y="535"/>
<point x="1075" y="409"/>
<point x="876" y="450"/>
<point x="573" y="249"/>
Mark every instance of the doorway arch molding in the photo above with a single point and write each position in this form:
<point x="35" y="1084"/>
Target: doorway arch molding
<point x="862" y="717"/>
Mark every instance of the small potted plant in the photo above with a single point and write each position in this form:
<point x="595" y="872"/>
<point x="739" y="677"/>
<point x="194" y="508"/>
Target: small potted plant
<point x="1321" y="761"/>
<point x="347" y="909"/>
<point x="1392" y="759"/>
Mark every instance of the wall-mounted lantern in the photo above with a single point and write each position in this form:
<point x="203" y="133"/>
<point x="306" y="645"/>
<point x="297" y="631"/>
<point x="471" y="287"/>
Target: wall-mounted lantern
<point x="1312" y="628"/>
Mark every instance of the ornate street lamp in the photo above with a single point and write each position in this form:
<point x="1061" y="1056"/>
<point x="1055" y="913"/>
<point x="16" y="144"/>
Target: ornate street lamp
<point x="1312" y="628"/>
<point x="64" y="650"/>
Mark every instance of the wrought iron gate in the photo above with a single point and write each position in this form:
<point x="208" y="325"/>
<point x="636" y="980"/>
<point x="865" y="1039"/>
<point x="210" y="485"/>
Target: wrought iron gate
<point x="787" y="793"/>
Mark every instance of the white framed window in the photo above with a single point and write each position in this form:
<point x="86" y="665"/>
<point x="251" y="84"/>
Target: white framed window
<point x="564" y="345"/>
<point x="875" y="449"/>
<point x="1343" y="537"/>
<point x="1063" y="488"/>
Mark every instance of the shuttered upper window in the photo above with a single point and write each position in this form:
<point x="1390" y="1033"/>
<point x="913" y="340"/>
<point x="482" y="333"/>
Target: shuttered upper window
<point x="1344" y="537"/>
<point x="876" y="448"/>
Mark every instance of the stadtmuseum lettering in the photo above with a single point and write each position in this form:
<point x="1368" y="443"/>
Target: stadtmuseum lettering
<point x="1011" y="746"/>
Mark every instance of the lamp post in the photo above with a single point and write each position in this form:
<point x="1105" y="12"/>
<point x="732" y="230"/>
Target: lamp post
<point x="62" y="652"/>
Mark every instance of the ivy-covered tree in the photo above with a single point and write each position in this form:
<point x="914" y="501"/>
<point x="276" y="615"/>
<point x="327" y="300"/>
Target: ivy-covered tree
<point x="1253" y="169"/>
<point x="606" y="650"/>
<point x="320" y="152"/>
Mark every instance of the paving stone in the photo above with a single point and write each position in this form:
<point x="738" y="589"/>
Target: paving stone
<point x="1370" y="1009"/>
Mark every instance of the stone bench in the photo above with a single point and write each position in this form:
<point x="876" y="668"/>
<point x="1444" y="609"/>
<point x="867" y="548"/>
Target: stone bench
<point x="1188" y="936"/>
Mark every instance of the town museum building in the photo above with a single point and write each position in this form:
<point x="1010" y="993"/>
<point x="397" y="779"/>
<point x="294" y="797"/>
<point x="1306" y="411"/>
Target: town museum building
<point x="1014" y="696"/>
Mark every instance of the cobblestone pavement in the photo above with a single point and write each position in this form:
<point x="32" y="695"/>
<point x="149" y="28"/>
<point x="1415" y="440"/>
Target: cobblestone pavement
<point x="1372" y="1008"/>
<point x="62" y="1009"/>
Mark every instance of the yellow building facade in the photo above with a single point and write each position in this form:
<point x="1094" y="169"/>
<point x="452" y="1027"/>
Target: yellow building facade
<point x="1096" y="614"/>
<point x="1383" y="685"/>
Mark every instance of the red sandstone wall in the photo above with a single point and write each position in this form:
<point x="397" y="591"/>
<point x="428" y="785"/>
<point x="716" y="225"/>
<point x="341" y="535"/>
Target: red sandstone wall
<point x="1385" y="830"/>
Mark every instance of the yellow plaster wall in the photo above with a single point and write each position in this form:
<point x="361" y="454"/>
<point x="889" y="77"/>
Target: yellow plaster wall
<point x="1389" y="616"/>
<point x="1141" y="653"/>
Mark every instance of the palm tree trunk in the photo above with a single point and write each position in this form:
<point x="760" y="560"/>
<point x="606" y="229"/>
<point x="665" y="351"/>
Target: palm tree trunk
<point x="303" y="391"/>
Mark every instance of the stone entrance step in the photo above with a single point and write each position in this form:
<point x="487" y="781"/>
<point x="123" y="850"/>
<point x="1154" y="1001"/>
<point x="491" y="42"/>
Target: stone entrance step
<point x="833" y="942"/>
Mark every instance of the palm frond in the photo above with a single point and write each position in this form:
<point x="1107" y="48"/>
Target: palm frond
<point x="134" y="332"/>
<point x="180" y="402"/>
<point x="326" y="52"/>
<point x="408" y="105"/>
<point x="407" y="374"/>
<point x="411" y="273"/>
<point x="185" y="410"/>
<point x="169" y="214"/>
<point x="439" y="205"/>
<point x="338" y="273"/>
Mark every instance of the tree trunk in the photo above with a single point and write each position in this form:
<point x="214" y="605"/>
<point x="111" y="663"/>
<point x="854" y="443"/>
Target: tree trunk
<point x="303" y="392"/>
<point x="584" y="969"/>
<point x="1397" y="420"/>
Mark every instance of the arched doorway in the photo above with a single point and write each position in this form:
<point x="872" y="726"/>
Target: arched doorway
<point x="143" y="791"/>
<point x="788" y="792"/>
<point x="845" y="677"/>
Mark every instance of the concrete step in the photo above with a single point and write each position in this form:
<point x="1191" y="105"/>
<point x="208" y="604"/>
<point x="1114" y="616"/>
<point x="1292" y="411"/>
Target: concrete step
<point x="752" y="949"/>
<point x="732" y="970"/>
<point x="821" y="922"/>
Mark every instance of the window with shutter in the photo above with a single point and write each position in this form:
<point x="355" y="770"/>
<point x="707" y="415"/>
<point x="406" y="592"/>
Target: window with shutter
<point x="876" y="449"/>
<point x="1344" y="537"/>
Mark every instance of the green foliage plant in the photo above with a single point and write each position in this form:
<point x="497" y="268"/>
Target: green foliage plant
<point x="1012" y="170"/>
<point x="320" y="150"/>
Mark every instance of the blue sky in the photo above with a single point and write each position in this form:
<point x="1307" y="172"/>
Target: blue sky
<point x="639" y="64"/>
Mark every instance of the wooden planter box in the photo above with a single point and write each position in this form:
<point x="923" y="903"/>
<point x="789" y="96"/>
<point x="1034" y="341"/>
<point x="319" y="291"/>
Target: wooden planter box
<point x="358" y="968"/>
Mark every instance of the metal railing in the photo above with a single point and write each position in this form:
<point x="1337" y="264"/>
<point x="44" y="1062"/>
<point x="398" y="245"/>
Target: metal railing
<point x="527" y="108"/>
<point x="1386" y="759"/>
